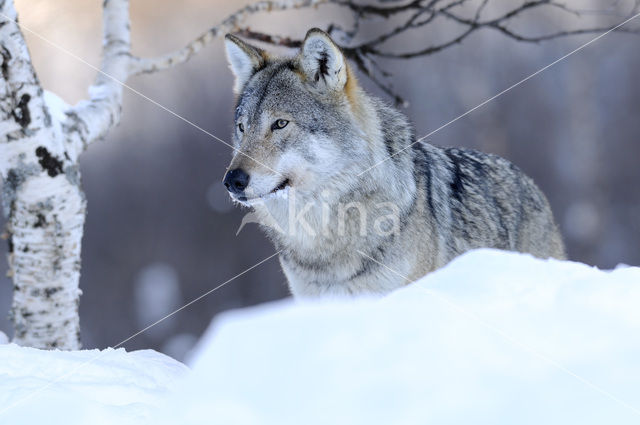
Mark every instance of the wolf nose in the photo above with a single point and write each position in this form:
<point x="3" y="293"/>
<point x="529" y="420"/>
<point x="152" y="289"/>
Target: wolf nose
<point x="236" y="181"/>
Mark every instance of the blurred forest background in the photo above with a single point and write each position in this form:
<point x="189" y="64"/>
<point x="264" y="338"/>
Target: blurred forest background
<point x="161" y="230"/>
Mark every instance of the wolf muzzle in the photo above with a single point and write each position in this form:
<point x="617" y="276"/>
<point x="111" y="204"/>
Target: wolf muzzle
<point x="236" y="181"/>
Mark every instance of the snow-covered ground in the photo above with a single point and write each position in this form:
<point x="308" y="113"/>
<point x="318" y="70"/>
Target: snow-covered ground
<point x="83" y="387"/>
<point x="493" y="338"/>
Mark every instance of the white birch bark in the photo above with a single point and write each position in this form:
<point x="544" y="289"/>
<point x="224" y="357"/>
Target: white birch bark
<point x="40" y="143"/>
<point x="41" y="140"/>
<point x="42" y="200"/>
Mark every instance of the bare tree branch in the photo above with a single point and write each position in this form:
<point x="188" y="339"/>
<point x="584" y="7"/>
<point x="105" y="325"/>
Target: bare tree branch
<point x="91" y="120"/>
<point x="275" y="40"/>
<point x="414" y="14"/>
<point x="230" y="24"/>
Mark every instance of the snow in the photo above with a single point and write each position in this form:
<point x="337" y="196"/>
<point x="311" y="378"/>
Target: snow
<point x="57" y="107"/>
<point x="492" y="338"/>
<point x="80" y="387"/>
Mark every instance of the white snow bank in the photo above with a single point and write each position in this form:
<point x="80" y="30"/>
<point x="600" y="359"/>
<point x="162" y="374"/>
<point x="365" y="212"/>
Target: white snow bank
<point x="493" y="338"/>
<point x="83" y="387"/>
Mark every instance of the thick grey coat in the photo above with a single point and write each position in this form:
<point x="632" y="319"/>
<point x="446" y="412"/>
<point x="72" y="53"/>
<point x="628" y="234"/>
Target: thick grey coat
<point x="438" y="202"/>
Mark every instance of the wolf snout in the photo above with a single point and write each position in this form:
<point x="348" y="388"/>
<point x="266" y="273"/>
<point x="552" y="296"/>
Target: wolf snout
<point x="236" y="181"/>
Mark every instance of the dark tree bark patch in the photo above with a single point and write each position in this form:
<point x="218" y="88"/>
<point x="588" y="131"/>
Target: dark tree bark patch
<point x="4" y="68"/>
<point x="41" y="221"/>
<point x="21" y="113"/>
<point x="49" y="162"/>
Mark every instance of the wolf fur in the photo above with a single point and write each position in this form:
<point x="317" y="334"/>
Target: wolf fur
<point x="445" y="201"/>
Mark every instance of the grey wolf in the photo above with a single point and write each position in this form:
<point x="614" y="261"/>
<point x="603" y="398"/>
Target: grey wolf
<point x="305" y="130"/>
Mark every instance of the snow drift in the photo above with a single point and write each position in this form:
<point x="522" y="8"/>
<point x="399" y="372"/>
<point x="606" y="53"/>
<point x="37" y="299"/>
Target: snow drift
<point x="83" y="387"/>
<point x="493" y="338"/>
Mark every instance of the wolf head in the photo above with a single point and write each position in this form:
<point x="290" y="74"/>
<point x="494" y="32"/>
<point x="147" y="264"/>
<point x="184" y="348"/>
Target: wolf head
<point x="301" y="122"/>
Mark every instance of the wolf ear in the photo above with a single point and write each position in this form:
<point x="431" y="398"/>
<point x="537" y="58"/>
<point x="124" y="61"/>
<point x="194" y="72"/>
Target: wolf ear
<point x="322" y="61"/>
<point x="244" y="60"/>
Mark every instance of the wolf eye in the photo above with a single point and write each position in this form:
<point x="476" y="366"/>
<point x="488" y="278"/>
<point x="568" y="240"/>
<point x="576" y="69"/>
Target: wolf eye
<point x="241" y="127"/>
<point x="278" y="124"/>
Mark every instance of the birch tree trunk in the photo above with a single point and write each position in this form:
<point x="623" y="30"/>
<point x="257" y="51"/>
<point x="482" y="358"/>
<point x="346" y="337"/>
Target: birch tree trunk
<point x="42" y="201"/>
<point x="41" y="139"/>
